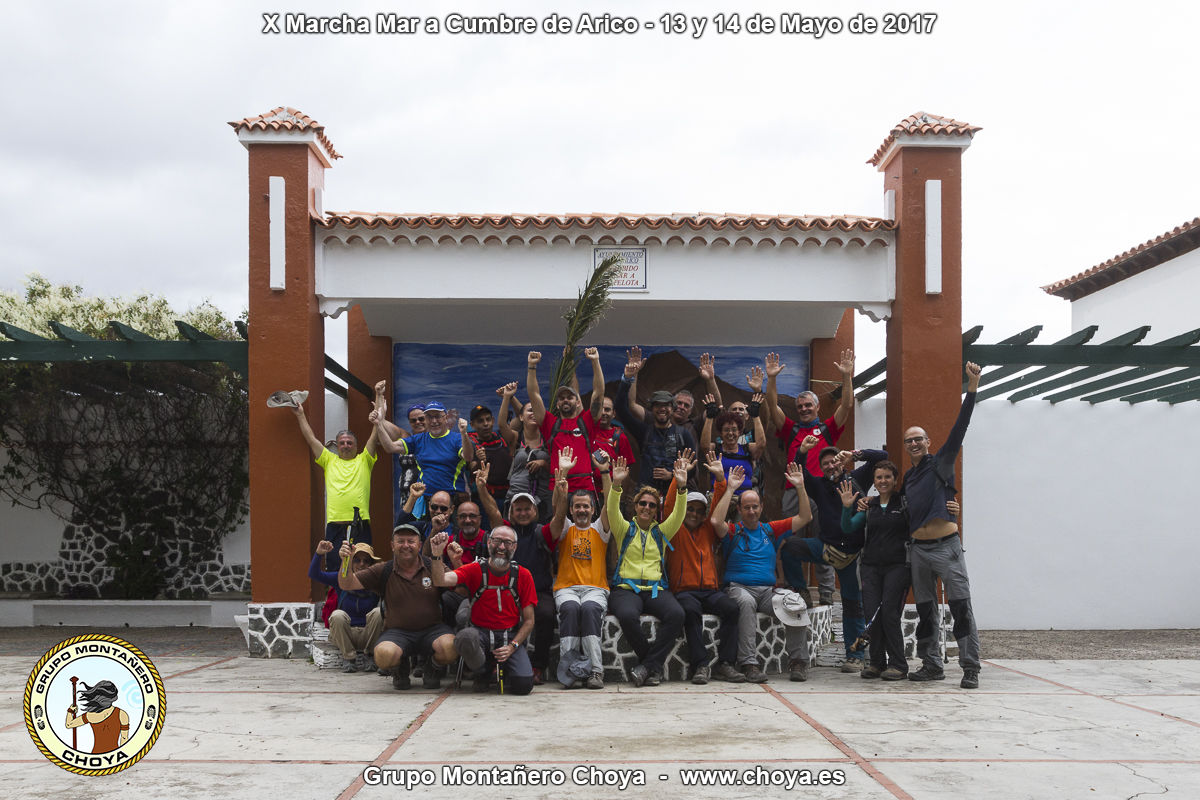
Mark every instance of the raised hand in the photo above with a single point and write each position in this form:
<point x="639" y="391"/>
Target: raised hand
<point x="682" y="465"/>
<point x="756" y="401"/>
<point x="846" y="492"/>
<point x="416" y="490"/>
<point x="455" y="551"/>
<point x="620" y="470"/>
<point x="324" y="546"/>
<point x="755" y="378"/>
<point x="711" y="409"/>
<point x="845" y="364"/>
<point x="633" y="361"/>
<point x="507" y="390"/>
<point x="712" y="462"/>
<point x="808" y="443"/>
<point x="566" y="460"/>
<point x="737" y="477"/>
<point x="592" y="354"/>
<point x="772" y="366"/>
<point x="795" y="475"/>
<point x="533" y="358"/>
<point x="380" y="388"/>
<point x="481" y="474"/>
<point x="373" y="417"/>
<point x="688" y="457"/>
<point x="439" y="522"/>
<point x="707" y="368"/>
<point x="973" y="373"/>
<point x="438" y="542"/>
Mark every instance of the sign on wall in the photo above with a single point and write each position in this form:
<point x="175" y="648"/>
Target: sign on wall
<point x="633" y="276"/>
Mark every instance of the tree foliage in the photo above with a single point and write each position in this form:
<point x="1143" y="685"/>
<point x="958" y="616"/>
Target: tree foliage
<point x="134" y="453"/>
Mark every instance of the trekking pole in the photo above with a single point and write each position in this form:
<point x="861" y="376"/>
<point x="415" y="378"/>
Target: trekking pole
<point x="865" y="638"/>
<point x="350" y="531"/>
<point x="75" y="704"/>
<point x="941" y="598"/>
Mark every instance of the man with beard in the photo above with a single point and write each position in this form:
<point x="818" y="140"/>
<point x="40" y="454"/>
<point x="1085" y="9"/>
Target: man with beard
<point x="581" y="588"/>
<point x="412" y="618"/>
<point x="571" y="427"/>
<point x="533" y="551"/>
<point x="500" y="625"/>
<point x="834" y="546"/>
<point x="694" y="580"/>
<point x="639" y="583"/>
<point x="751" y="548"/>
<point x="662" y="441"/>
<point x="611" y="439"/>
<point x="937" y="547"/>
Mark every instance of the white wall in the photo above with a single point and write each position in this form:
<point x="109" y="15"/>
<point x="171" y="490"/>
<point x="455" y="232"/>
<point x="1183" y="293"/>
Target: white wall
<point x="1072" y="516"/>
<point x="1162" y="296"/>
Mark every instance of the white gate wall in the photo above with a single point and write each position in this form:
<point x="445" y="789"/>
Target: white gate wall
<point x="1074" y="515"/>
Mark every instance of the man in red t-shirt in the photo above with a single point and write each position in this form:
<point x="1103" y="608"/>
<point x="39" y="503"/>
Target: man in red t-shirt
<point x="570" y="426"/>
<point x="504" y="597"/>
<point x="612" y="439"/>
<point x="791" y="434"/>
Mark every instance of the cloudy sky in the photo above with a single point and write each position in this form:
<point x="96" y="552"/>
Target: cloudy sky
<point x="122" y="176"/>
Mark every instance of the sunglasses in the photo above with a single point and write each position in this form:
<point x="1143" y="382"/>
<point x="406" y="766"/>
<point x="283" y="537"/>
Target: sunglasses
<point x="433" y="507"/>
<point x="647" y="504"/>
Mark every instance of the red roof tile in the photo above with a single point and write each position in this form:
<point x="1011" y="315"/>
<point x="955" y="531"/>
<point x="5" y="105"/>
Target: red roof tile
<point x="737" y="222"/>
<point x="922" y="124"/>
<point x="1163" y="248"/>
<point x="287" y="119"/>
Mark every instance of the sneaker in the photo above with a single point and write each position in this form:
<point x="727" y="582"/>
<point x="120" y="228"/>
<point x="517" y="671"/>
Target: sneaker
<point x="892" y="674"/>
<point x="852" y="665"/>
<point x="431" y="678"/>
<point x="825" y="599"/>
<point x="538" y="680"/>
<point x="871" y="671"/>
<point x="653" y="679"/>
<point x="798" y="670"/>
<point x="970" y="679"/>
<point x="701" y="675"/>
<point x="400" y="679"/>
<point x="349" y="665"/>
<point x="728" y="673"/>
<point x="754" y="674"/>
<point x="638" y="675"/>
<point x="927" y="674"/>
<point x="596" y="681"/>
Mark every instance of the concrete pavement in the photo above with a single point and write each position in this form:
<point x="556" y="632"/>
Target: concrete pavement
<point x="246" y="728"/>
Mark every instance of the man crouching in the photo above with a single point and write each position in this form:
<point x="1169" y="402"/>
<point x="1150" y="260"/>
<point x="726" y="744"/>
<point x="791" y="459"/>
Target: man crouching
<point x="499" y="627"/>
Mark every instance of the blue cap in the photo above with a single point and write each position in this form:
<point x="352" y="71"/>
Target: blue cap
<point x="435" y="406"/>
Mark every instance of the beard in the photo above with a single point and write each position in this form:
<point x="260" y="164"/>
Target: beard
<point x="499" y="563"/>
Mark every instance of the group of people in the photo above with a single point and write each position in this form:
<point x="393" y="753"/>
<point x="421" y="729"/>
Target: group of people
<point x="531" y="519"/>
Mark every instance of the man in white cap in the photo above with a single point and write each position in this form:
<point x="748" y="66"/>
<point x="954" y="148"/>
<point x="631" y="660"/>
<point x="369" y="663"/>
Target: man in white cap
<point x="751" y="553"/>
<point x="692" y="575"/>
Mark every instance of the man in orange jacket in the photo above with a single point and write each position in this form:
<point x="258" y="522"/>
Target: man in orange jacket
<point x="692" y="576"/>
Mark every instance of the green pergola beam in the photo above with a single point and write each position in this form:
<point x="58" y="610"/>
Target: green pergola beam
<point x="70" y="334"/>
<point x="45" y="351"/>
<point x="20" y="334"/>
<point x="1078" y="338"/>
<point x="129" y="334"/>
<point x="1126" y="388"/>
<point x="872" y="390"/>
<point x="1182" y="391"/>
<point x="352" y="380"/>
<point x="880" y="366"/>
<point x="193" y="334"/>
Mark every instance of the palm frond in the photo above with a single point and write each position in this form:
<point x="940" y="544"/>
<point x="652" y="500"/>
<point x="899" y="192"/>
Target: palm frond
<point x="588" y="310"/>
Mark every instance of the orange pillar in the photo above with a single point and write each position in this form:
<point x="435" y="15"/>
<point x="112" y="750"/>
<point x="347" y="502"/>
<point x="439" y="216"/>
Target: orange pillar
<point x="921" y="162"/>
<point x="286" y="350"/>
<point x="824" y="354"/>
<point x="370" y="358"/>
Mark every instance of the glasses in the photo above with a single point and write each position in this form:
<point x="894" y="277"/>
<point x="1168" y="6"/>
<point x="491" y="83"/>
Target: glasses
<point x="415" y="420"/>
<point x="647" y="504"/>
<point x="433" y="507"/>
<point x="504" y="542"/>
<point x="914" y="439"/>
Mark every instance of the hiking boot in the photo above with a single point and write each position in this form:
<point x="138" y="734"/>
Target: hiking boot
<point x="482" y="682"/>
<point x="871" y="671"/>
<point x="538" y="680"/>
<point x="852" y="665"/>
<point x="892" y="674"/>
<point x="754" y="674"/>
<point x="431" y="678"/>
<point x="798" y="670"/>
<point x="595" y="681"/>
<point x="970" y="679"/>
<point x="349" y="665"/>
<point x="400" y="679"/>
<point x="638" y="675"/>
<point x="654" y="679"/>
<point x="825" y="599"/>
<point x="927" y="674"/>
<point x="727" y="672"/>
<point x="701" y="675"/>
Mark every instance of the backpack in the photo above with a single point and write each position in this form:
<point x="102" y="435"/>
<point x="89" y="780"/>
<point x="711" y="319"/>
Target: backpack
<point x="513" y="572"/>
<point x="548" y="442"/>
<point x="663" y="546"/>
<point x="331" y="604"/>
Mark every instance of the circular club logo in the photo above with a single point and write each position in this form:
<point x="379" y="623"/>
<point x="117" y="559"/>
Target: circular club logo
<point x="94" y="705"/>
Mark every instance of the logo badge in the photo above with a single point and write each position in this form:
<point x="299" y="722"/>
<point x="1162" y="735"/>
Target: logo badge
<point x="94" y="705"/>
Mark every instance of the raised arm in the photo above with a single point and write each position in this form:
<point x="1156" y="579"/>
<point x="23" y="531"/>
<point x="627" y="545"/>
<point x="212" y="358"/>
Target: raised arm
<point x="605" y="485"/>
<point x="349" y="581"/>
<point x="711" y="409"/>
<point x="772" y="368"/>
<point x="949" y="450"/>
<point x="708" y="371"/>
<point x="754" y="409"/>
<point x="390" y="430"/>
<point x="506" y="392"/>
<point x="566" y="463"/>
<point x="633" y="365"/>
<point x="795" y="476"/>
<point x="531" y="386"/>
<point x="846" y="405"/>
<point x="593" y="355"/>
<point x="671" y="524"/>
<point x="314" y="444"/>
<point x="389" y="445"/>
<point x="721" y="510"/>
<point x="487" y="503"/>
<point x="466" y="448"/>
<point x="437" y="546"/>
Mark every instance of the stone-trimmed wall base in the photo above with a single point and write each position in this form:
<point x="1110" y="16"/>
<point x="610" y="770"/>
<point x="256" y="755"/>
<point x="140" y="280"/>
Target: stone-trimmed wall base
<point x="279" y="630"/>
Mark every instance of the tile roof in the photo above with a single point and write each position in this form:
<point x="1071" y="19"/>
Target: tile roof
<point x="923" y="124"/>
<point x="609" y="222"/>
<point x="1149" y="254"/>
<point x="287" y="119"/>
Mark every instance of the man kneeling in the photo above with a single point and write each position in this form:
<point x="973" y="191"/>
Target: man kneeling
<point x="494" y="630"/>
<point x="412" y="616"/>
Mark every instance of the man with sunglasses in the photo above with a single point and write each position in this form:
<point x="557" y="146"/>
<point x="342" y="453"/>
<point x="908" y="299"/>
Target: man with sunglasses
<point x="937" y="547"/>
<point x="501" y="614"/>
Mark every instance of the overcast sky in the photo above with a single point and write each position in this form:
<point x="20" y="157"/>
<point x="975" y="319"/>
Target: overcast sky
<point x="122" y="176"/>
